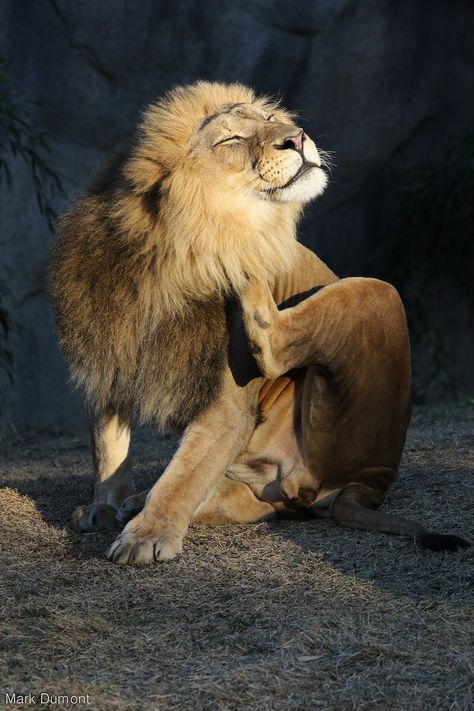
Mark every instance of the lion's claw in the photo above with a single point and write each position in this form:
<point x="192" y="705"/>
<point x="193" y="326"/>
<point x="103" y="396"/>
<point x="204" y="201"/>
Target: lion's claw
<point x="132" y="549"/>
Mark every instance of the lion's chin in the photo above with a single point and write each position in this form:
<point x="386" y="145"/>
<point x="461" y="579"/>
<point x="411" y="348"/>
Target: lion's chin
<point x="309" y="186"/>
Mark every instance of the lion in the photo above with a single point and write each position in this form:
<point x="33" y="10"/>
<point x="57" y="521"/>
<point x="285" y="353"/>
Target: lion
<point x="183" y="298"/>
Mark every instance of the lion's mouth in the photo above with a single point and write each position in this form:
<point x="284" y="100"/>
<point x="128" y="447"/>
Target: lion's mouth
<point x="305" y="167"/>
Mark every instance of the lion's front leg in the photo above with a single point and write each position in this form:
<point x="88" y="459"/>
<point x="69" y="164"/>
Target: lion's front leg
<point x="110" y="440"/>
<point x="209" y="445"/>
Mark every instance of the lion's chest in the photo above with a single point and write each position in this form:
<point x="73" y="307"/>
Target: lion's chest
<point x="180" y="365"/>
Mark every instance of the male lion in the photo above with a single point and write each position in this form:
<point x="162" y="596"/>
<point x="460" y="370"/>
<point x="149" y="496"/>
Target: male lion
<point x="165" y="277"/>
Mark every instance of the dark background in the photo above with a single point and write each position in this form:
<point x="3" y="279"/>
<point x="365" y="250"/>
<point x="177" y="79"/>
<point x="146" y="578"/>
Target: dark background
<point x="387" y="86"/>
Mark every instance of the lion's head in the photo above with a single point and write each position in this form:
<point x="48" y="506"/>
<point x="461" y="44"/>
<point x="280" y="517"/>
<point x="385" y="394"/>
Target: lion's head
<point x="232" y="141"/>
<point x="220" y="176"/>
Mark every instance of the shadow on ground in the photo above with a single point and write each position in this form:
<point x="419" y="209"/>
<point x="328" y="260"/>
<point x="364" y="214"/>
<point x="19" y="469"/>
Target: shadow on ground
<point x="272" y="616"/>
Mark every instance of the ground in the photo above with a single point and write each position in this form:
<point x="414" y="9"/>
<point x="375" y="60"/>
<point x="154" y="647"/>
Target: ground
<point x="287" y="615"/>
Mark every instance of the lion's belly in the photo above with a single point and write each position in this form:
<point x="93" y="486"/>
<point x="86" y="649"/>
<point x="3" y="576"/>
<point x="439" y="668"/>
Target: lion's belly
<point x="274" y="464"/>
<point x="273" y="455"/>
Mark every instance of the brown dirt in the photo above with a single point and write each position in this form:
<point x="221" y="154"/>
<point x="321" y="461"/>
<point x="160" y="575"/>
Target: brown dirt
<point x="292" y="615"/>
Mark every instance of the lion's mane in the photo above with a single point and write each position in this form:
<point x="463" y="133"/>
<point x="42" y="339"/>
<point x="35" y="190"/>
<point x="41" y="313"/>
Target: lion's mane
<point x="144" y="262"/>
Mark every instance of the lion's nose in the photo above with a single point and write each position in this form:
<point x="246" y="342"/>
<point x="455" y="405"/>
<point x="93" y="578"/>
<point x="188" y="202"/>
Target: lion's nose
<point x="295" y="142"/>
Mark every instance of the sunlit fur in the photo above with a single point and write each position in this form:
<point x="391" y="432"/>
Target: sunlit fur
<point x="212" y="230"/>
<point x="144" y="261"/>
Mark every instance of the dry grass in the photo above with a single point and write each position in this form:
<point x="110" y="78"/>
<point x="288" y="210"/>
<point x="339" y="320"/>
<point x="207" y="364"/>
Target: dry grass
<point x="274" y="616"/>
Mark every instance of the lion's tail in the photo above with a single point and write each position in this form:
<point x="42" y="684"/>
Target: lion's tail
<point x="350" y="512"/>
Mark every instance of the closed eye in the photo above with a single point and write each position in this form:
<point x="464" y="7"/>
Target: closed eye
<point x="230" y="139"/>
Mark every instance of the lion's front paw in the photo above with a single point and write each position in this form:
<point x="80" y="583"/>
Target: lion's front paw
<point x="130" y="508"/>
<point x="138" y="545"/>
<point x="95" y="517"/>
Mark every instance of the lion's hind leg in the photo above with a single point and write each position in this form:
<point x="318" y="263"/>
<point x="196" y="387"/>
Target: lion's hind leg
<point x="231" y="502"/>
<point x="352" y="336"/>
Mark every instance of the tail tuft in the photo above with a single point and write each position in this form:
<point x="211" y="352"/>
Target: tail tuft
<point x="439" y="541"/>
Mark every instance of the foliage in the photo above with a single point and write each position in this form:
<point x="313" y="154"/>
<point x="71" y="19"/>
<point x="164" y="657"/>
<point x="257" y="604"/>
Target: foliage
<point x="20" y="140"/>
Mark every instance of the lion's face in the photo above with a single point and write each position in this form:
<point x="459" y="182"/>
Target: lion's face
<point x="259" y="148"/>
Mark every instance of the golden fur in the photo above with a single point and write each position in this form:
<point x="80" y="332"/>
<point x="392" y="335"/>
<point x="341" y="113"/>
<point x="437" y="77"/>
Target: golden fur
<point x="144" y="262"/>
<point x="161" y="277"/>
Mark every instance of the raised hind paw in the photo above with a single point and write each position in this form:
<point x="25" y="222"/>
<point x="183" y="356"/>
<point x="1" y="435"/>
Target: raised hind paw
<point x="261" y="316"/>
<point x="94" y="517"/>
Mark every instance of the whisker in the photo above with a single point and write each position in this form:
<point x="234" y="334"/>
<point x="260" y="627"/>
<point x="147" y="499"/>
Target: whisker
<point x="327" y="159"/>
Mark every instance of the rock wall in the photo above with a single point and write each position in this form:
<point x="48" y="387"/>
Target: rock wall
<point x="384" y="85"/>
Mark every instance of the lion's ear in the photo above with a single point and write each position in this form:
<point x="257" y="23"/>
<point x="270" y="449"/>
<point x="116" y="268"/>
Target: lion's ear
<point x="143" y="172"/>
